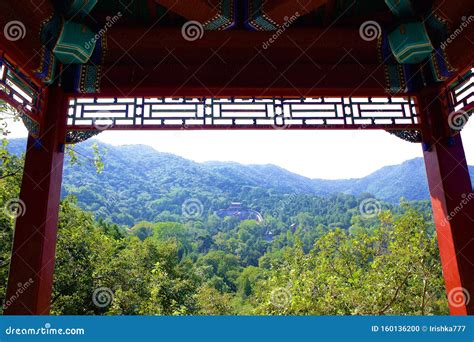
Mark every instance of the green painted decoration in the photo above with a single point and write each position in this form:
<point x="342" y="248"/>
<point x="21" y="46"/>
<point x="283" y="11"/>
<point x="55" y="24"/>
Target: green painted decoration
<point x="90" y="78"/>
<point x="74" y="8"/>
<point x="224" y="20"/>
<point x="75" y="45"/>
<point x="410" y="136"/>
<point x="75" y="137"/>
<point x="81" y="7"/>
<point x="410" y="43"/>
<point x="257" y="19"/>
<point x="32" y="126"/>
<point x="401" y="8"/>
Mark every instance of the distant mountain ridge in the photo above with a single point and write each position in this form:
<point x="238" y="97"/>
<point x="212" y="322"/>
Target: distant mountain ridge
<point x="139" y="174"/>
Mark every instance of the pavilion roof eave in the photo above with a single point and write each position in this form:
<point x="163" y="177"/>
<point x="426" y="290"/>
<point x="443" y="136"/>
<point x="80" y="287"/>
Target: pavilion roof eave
<point x="28" y="16"/>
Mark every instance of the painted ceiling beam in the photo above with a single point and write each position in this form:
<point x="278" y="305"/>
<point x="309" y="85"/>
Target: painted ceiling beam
<point x="199" y="10"/>
<point x="338" y="45"/>
<point x="280" y="10"/>
<point x="460" y="50"/>
<point x="302" y="61"/>
<point x="329" y="12"/>
<point x="258" y="79"/>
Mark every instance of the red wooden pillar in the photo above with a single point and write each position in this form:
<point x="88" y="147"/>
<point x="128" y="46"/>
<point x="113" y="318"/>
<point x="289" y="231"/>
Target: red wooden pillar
<point x="452" y="200"/>
<point x="32" y="262"/>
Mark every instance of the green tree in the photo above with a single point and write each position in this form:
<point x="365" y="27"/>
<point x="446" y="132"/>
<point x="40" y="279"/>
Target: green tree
<point x="394" y="269"/>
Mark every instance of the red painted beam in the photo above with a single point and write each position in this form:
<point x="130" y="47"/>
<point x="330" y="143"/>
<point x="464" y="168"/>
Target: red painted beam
<point x="260" y="79"/>
<point x="302" y="61"/>
<point x="35" y="233"/>
<point x="23" y="18"/>
<point x="460" y="18"/>
<point x="452" y="201"/>
<point x="280" y="10"/>
<point x="329" y="12"/>
<point x="455" y="12"/>
<point x="199" y="10"/>
<point x="149" y="47"/>
<point x="460" y="50"/>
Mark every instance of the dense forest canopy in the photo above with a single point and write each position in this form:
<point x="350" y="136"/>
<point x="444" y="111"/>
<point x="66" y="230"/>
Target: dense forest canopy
<point x="139" y="183"/>
<point x="336" y="254"/>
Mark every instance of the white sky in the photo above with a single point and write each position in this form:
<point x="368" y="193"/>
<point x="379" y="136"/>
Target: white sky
<point x="315" y="154"/>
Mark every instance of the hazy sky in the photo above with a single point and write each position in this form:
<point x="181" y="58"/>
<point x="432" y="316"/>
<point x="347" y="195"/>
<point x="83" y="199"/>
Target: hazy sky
<point x="315" y="154"/>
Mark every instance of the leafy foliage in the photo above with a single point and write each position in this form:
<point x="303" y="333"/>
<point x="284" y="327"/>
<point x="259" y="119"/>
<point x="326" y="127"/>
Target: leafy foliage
<point x="310" y="256"/>
<point x="392" y="269"/>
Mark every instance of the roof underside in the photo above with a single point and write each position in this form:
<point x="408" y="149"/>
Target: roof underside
<point x="320" y="50"/>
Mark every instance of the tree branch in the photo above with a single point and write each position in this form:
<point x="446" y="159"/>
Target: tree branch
<point x="395" y="296"/>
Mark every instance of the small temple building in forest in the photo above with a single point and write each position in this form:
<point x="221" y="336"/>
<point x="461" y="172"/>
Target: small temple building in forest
<point x="237" y="210"/>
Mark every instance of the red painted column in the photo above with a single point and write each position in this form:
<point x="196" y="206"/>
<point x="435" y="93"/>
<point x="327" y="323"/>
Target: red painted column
<point x="452" y="200"/>
<point x="30" y="280"/>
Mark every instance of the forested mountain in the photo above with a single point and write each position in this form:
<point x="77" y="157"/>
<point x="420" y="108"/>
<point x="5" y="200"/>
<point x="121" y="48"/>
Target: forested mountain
<point x="138" y="183"/>
<point x="143" y="238"/>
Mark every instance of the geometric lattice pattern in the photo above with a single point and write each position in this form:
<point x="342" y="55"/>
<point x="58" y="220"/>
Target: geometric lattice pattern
<point x="242" y="113"/>
<point x="17" y="90"/>
<point x="462" y="93"/>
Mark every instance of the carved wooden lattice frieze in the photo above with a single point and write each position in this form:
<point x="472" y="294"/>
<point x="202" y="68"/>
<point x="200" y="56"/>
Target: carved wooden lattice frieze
<point x="242" y="113"/>
<point x="18" y="91"/>
<point x="461" y="94"/>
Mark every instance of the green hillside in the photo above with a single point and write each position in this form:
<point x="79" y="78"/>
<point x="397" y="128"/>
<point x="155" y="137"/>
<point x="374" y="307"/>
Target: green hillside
<point x="148" y="235"/>
<point x="139" y="183"/>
